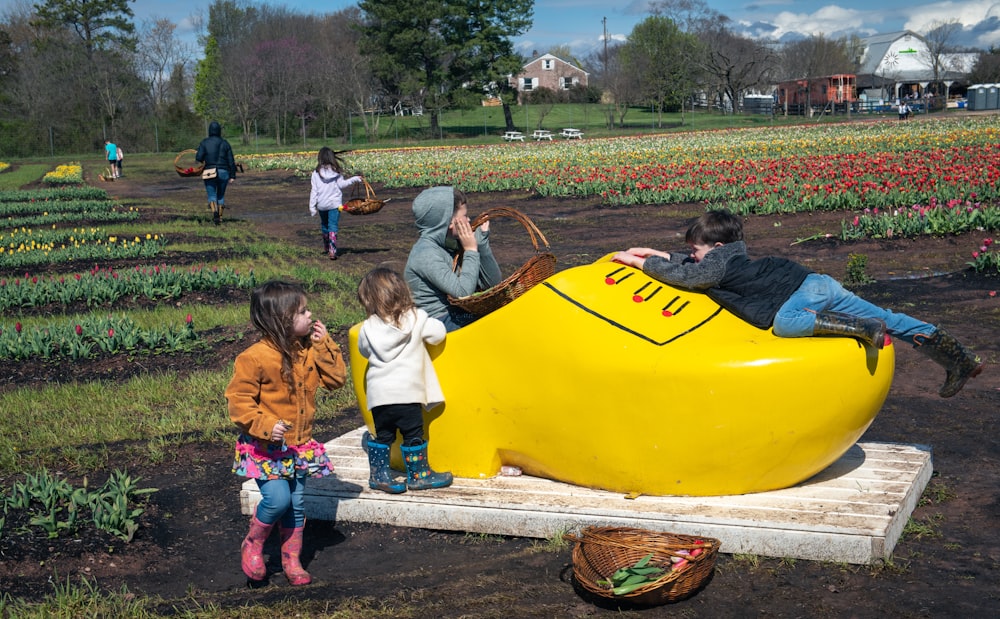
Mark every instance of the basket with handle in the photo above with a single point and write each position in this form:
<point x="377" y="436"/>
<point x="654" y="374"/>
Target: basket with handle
<point x="538" y="268"/>
<point x="183" y="170"/>
<point x="599" y="552"/>
<point x="365" y="205"/>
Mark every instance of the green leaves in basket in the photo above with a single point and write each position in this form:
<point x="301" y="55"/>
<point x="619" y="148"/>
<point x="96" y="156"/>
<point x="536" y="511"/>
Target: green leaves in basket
<point x="628" y="579"/>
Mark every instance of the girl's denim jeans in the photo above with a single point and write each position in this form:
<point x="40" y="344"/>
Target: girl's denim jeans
<point x="277" y="496"/>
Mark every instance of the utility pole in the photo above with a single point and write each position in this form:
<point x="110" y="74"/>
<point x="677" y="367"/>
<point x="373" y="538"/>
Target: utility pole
<point x="607" y="78"/>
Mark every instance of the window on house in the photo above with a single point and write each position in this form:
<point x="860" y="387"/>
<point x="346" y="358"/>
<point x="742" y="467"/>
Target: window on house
<point x="566" y="82"/>
<point x="527" y="84"/>
<point x="547" y="64"/>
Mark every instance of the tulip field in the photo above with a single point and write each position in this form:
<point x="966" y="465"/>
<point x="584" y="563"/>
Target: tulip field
<point x="54" y="225"/>
<point x="890" y="178"/>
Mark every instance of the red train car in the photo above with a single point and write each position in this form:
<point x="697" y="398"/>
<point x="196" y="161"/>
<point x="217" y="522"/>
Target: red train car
<point x="818" y="92"/>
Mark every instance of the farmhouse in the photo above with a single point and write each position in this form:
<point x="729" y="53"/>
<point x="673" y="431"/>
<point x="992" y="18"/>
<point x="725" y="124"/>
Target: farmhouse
<point x="547" y="71"/>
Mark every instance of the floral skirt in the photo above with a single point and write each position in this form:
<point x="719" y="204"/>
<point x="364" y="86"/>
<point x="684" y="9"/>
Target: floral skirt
<point x="257" y="459"/>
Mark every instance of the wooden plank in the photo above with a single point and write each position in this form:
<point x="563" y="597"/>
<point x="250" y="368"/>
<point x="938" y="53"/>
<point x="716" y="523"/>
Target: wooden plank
<point x="852" y="512"/>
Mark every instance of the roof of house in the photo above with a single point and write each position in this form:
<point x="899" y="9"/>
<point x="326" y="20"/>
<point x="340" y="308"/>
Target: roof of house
<point x="551" y="57"/>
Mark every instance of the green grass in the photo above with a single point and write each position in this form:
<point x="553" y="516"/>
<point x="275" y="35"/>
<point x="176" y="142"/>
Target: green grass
<point x="72" y="424"/>
<point x="24" y="174"/>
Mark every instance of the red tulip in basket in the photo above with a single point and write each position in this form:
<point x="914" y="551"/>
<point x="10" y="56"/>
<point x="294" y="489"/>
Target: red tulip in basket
<point x="193" y="169"/>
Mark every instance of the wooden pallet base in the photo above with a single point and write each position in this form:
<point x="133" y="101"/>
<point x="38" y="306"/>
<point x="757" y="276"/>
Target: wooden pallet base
<point x="852" y="512"/>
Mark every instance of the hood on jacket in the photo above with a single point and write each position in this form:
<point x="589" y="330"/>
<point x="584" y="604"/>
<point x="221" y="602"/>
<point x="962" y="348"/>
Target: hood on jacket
<point x="433" y="209"/>
<point x="327" y="174"/>
<point x="214" y="129"/>
<point x="392" y="340"/>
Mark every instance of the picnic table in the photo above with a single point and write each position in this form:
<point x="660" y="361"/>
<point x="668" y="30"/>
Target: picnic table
<point x="569" y="134"/>
<point x="510" y="136"/>
<point x="541" y="134"/>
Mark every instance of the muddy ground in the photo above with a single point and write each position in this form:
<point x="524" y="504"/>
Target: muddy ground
<point x="187" y="551"/>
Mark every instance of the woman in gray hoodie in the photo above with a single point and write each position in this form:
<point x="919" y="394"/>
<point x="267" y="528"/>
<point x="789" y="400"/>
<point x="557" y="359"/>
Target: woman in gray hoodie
<point x="445" y="232"/>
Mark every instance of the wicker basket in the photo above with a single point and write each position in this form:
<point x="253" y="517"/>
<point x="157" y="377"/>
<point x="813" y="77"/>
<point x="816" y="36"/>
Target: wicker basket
<point x="601" y="551"/>
<point x="186" y="171"/>
<point x="538" y="268"/>
<point x="363" y="206"/>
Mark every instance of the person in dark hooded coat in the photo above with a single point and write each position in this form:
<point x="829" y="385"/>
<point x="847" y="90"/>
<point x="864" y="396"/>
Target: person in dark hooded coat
<point x="217" y="155"/>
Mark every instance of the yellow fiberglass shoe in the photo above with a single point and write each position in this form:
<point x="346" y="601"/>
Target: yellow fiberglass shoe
<point x="603" y="377"/>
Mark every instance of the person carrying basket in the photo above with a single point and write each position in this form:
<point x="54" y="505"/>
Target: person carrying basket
<point x="326" y="197"/>
<point x="445" y="234"/>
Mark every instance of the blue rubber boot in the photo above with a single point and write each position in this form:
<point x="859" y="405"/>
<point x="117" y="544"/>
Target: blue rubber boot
<point x="381" y="474"/>
<point x="419" y="475"/>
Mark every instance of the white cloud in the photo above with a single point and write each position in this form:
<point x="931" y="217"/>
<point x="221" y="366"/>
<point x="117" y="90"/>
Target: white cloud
<point x="826" y="20"/>
<point x="966" y="13"/>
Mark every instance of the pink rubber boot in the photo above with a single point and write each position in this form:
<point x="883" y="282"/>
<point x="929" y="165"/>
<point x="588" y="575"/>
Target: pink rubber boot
<point x="291" y="548"/>
<point x="252" y="555"/>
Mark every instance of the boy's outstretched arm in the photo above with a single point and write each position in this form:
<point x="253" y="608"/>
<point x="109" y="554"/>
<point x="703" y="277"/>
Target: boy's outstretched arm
<point x="636" y="256"/>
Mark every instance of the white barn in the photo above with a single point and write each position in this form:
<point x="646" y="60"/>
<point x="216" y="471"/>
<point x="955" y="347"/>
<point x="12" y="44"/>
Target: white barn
<point x="900" y="64"/>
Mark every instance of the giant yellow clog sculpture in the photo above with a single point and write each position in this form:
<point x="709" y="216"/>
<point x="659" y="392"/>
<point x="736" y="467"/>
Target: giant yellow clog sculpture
<point x="605" y="378"/>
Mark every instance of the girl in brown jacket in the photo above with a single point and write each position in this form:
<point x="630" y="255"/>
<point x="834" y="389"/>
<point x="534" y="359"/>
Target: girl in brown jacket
<point x="272" y="399"/>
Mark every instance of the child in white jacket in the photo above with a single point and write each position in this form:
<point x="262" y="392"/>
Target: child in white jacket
<point x="400" y="381"/>
<point x="327" y="196"/>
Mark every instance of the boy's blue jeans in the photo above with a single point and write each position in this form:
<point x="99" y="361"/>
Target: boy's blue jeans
<point x="822" y="293"/>
<point x="284" y="499"/>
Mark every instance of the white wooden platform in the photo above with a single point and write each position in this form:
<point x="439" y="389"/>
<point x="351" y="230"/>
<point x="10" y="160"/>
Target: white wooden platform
<point x="852" y="512"/>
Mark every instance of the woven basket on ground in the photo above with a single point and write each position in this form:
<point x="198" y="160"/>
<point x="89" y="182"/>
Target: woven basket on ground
<point x="538" y="268"/>
<point x="188" y="170"/>
<point x="366" y="205"/>
<point x="601" y="551"/>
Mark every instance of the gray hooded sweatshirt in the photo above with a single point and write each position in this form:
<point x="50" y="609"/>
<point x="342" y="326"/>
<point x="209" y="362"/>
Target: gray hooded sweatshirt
<point x="429" y="268"/>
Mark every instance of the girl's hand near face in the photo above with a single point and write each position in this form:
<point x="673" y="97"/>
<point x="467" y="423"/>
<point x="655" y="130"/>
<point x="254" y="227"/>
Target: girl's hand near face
<point x="319" y="331"/>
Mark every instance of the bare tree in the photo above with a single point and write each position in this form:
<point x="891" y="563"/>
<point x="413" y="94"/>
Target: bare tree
<point x="689" y="15"/>
<point x="158" y="53"/>
<point x="939" y="40"/>
<point x="735" y="64"/>
<point x="346" y="85"/>
<point x="815" y="57"/>
<point x="620" y="88"/>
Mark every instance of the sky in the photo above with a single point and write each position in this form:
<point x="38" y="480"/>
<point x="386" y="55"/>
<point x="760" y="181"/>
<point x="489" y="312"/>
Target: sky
<point x="580" y="24"/>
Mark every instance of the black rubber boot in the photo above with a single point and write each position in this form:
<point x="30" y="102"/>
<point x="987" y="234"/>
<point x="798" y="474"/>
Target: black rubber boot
<point x="959" y="362"/>
<point x="869" y="330"/>
<point x="216" y="217"/>
<point x="419" y="475"/>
